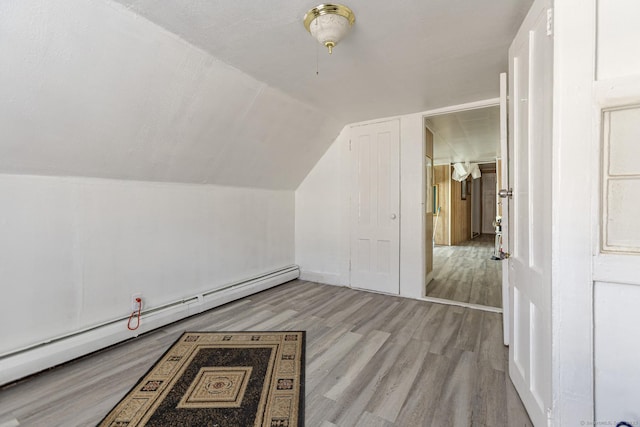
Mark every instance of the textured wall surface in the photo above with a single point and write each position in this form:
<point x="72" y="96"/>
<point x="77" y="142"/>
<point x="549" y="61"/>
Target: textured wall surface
<point x="92" y="89"/>
<point x="74" y="250"/>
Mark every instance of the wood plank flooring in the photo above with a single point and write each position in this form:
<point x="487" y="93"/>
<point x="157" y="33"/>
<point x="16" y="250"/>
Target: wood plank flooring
<point x="466" y="273"/>
<point x="372" y="360"/>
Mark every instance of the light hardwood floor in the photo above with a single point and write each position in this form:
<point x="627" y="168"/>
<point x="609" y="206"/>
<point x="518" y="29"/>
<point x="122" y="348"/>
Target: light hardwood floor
<point x="466" y="273"/>
<point x="372" y="360"/>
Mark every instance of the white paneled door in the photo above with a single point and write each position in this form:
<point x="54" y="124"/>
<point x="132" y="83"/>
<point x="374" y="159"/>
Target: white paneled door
<point x="488" y="202"/>
<point x="504" y="179"/>
<point x="375" y="207"/>
<point x="530" y="115"/>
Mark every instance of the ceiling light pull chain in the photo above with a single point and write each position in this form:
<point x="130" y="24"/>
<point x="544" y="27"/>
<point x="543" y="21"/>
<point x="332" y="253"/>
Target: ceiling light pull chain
<point x="317" y="55"/>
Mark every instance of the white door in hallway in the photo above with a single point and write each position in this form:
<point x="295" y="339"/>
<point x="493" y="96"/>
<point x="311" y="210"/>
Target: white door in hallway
<point x="488" y="202"/>
<point x="530" y="115"/>
<point x="375" y="207"/>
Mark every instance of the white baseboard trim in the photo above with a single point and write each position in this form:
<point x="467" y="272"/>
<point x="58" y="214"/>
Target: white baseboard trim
<point x="36" y="358"/>
<point x="325" y="278"/>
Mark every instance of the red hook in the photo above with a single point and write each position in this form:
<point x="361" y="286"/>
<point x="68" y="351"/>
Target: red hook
<point x="136" y="314"/>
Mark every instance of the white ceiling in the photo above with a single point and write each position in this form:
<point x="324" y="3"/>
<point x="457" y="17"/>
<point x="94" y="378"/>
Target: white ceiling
<point x="471" y="135"/>
<point x="400" y="57"/>
<point x="226" y="92"/>
<point x="91" y="89"/>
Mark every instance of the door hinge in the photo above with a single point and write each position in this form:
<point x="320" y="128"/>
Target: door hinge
<point x="549" y="21"/>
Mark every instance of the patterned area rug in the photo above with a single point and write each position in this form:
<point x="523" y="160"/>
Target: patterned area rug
<point x="220" y="379"/>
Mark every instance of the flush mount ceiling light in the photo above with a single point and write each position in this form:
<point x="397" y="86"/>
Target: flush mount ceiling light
<point x="329" y="23"/>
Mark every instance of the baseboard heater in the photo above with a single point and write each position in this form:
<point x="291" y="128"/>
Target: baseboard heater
<point x="26" y="361"/>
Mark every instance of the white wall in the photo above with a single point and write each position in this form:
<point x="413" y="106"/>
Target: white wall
<point x="617" y="39"/>
<point x="322" y="212"/>
<point x="89" y="88"/>
<point x="595" y="290"/>
<point x="321" y="224"/>
<point x="617" y="344"/>
<point x="74" y="250"/>
<point x="616" y="249"/>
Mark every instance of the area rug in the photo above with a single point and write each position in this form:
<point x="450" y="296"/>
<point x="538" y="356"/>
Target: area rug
<point x="220" y="379"/>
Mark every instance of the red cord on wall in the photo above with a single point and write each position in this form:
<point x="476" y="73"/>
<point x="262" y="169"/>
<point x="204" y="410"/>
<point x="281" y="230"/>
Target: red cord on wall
<point x="135" y="314"/>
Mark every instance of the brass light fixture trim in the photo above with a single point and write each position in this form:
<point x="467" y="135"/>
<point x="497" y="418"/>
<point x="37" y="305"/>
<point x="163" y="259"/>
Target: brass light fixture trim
<point x="330" y="9"/>
<point x="324" y="9"/>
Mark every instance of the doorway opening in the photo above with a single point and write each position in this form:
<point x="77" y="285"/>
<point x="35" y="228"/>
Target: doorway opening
<point x="463" y="191"/>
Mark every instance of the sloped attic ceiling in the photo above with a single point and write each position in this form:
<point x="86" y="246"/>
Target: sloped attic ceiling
<point x="226" y="92"/>
<point x="400" y="57"/>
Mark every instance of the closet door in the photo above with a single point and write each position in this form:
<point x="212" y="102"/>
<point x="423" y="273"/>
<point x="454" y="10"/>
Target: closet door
<point x="375" y="207"/>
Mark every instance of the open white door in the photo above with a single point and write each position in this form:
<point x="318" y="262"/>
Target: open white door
<point x="504" y="178"/>
<point x="375" y="206"/>
<point x="530" y="131"/>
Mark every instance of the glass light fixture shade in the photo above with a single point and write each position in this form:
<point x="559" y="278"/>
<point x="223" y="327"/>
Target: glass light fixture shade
<point x="329" y="23"/>
<point x="329" y="29"/>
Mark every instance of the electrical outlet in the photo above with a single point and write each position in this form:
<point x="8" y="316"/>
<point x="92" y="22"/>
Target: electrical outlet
<point x="134" y="303"/>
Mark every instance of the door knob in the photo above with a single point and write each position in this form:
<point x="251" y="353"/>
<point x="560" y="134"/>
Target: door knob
<point x="393" y="216"/>
<point x="506" y="193"/>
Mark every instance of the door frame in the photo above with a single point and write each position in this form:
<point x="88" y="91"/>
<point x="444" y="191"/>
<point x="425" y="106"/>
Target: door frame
<point x="413" y="264"/>
<point x="576" y="157"/>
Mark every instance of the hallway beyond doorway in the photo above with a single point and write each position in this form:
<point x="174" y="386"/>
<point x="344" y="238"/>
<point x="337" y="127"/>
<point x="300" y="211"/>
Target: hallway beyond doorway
<point x="466" y="273"/>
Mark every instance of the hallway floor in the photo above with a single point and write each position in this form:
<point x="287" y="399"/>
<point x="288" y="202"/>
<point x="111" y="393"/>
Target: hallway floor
<point x="466" y="273"/>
